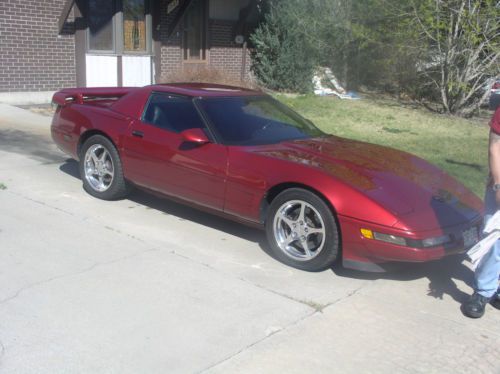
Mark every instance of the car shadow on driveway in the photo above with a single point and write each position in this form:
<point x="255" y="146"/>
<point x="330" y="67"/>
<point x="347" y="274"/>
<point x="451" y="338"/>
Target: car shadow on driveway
<point x="36" y="147"/>
<point x="181" y="211"/>
<point x="441" y="273"/>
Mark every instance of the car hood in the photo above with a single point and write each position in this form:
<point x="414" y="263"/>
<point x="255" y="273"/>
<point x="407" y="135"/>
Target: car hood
<point x="402" y="183"/>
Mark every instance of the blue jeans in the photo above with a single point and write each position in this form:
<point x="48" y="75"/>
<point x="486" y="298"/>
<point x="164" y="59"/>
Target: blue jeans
<point x="488" y="270"/>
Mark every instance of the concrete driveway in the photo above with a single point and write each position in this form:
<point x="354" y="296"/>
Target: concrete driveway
<point x="145" y="285"/>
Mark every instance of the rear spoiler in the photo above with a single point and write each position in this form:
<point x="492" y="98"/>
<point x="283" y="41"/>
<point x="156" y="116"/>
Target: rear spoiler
<point x="80" y="95"/>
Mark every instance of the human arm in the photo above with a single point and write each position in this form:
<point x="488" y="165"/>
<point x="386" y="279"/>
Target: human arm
<point x="494" y="161"/>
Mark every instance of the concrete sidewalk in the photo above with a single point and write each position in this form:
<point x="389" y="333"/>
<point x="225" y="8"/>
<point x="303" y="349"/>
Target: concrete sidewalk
<point x="145" y="285"/>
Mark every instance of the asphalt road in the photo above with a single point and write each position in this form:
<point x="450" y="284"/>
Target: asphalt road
<point x="144" y="285"/>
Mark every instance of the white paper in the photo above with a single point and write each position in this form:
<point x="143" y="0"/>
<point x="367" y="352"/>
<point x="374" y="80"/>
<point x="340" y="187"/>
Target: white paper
<point x="493" y="223"/>
<point x="492" y="228"/>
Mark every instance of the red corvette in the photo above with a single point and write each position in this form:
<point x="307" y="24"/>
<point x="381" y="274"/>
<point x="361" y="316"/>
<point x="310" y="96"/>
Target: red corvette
<point x="243" y="154"/>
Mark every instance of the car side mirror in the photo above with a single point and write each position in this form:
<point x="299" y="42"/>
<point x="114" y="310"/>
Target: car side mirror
<point x="196" y="136"/>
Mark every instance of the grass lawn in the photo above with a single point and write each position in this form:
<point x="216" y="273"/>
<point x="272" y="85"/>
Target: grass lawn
<point x="458" y="146"/>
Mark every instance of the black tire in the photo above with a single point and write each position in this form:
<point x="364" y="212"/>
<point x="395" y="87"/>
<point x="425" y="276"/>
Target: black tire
<point x="278" y="231"/>
<point x="117" y="187"/>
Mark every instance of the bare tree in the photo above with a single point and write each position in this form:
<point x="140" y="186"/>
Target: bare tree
<point x="460" y="50"/>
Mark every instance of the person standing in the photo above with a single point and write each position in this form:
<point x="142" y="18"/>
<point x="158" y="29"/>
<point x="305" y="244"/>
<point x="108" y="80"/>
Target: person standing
<point x="486" y="276"/>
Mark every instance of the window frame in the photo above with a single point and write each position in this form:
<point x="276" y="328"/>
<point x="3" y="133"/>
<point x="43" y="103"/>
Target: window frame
<point x="118" y="34"/>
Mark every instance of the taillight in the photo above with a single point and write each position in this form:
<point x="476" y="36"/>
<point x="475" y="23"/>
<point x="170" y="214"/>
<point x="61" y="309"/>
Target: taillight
<point x="496" y="86"/>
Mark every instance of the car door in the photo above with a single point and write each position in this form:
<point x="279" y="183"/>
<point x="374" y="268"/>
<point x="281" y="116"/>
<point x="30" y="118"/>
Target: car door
<point x="158" y="157"/>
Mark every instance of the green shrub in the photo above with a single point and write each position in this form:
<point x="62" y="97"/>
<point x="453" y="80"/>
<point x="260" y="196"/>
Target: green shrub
<point x="282" y="58"/>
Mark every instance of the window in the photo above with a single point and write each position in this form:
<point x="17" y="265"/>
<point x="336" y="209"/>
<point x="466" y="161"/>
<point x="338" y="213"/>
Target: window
<point x="172" y="113"/>
<point x="134" y="26"/>
<point x="255" y="120"/>
<point x="195" y="31"/>
<point x="119" y="26"/>
<point x="101" y="30"/>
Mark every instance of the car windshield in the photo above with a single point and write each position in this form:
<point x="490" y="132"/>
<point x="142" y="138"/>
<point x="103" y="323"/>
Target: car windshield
<point x="255" y="120"/>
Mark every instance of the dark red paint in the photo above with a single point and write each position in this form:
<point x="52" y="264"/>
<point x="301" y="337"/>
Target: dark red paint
<point x="367" y="186"/>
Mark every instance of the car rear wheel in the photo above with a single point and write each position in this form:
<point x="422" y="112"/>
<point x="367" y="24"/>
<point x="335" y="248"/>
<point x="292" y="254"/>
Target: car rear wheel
<point x="101" y="169"/>
<point x="302" y="231"/>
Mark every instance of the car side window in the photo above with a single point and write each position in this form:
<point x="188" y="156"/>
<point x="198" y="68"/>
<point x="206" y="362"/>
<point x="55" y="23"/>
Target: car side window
<point x="172" y="113"/>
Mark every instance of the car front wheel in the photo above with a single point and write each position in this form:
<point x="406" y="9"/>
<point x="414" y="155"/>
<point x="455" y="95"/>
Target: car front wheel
<point x="302" y="231"/>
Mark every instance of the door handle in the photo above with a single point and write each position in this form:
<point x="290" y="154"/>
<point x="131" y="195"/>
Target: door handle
<point x="138" y="134"/>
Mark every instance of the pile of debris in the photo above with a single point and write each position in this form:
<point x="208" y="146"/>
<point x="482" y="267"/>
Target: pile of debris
<point x="326" y="84"/>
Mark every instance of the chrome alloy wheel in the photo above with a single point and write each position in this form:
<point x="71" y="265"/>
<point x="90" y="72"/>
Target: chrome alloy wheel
<point x="299" y="230"/>
<point x="99" y="168"/>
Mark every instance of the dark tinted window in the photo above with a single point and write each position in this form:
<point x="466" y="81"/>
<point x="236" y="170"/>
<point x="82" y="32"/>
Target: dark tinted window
<point x="101" y="25"/>
<point x="172" y="113"/>
<point x="255" y="120"/>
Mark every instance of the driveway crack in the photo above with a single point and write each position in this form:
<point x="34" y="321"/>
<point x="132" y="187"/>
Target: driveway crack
<point x="72" y="274"/>
<point x="249" y="346"/>
<point x="41" y="203"/>
<point x="317" y="307"/>
<point x="349" y="295"/>
<point x="2" y="350"/>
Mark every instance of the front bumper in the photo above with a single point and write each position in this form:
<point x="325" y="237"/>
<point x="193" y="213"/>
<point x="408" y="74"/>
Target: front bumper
<point x="358" y="249"/>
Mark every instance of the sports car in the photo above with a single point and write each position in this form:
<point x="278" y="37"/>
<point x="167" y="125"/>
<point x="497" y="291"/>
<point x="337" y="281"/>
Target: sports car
<point x="244" y="155"/>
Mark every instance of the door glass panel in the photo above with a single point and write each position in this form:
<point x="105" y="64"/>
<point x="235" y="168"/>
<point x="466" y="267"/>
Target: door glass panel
<point x="172" y="113"/>
<point x="101" y="25"/>
<point x="134" y="26"/>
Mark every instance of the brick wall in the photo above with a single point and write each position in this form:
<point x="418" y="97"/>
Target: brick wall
<point x="223" y="54"/>
<point x="171" y="53"/>
<point x="32" y="55"/>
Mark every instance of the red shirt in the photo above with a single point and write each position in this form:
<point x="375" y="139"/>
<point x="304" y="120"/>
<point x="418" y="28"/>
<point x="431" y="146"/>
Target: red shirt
<point x="495" y="122"/>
